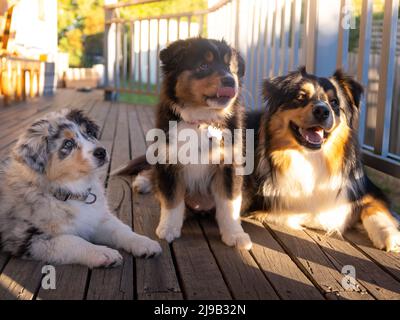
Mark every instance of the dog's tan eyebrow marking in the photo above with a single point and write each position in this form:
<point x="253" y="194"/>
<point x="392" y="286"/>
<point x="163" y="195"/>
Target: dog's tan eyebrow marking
<point x="309" y="89"/>
<point x="330" y="92"/>
<point x="68" y="134"/>
<point x="227" y="58"/>
<point x="209" y="56"/>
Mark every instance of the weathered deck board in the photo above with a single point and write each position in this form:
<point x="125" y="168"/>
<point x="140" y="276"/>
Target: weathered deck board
<point x="287" y="279"/>
<point x="199" y="273"/>
<point x="23" y="117"/>
<point x="15" y="127"/>
<point x="117" y="283"/>
<point x="242" y="274"/>
<point x="70" y="284"/>
<point x="368" y="274"/>
<point x="151" y="283"/>
<point x="283" y="264"/>
<point x="389" y="261"/>
<point x="20" y="279"/>
<point x="314" y="263"/>
<point x="3" y="260"/>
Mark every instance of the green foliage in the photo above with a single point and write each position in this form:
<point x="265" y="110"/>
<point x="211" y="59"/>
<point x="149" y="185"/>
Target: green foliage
<point x="140" y="99"/>
<point x="81" y="24"/>
<point x="78" y="19"/>
<point x="378" y="6"/>
<point x="163" y="7"/>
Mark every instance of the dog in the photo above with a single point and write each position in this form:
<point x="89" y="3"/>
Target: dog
<point x="309" y="171"/>
<point x="200" y="92"/>
<point x="53" y="205"/>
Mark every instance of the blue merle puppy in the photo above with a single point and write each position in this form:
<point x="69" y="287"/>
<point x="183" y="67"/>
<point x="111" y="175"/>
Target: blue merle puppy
<point x="52" y="204"/>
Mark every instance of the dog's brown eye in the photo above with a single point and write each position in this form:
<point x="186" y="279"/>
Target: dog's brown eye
<point x="203" y="67"/>
<point x="334" y="102"/>
<point x="301" y="97"/>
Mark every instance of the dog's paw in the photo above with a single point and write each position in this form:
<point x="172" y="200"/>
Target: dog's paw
<point x="145" y="248"/>
<point x="167" y="232"/>
<point x="104" y="257"/>
<point x="142" y="184"/>
<point x="241" y="240"/>
<point x="393" y="242"/>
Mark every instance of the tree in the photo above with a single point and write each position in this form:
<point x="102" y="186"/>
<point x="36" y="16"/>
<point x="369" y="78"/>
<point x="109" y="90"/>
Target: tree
<point x="81" y="24"/>
<point x="78" y="19"/>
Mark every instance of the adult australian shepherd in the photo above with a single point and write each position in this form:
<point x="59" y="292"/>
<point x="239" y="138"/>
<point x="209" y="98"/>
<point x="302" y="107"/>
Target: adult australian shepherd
<point x="52" y="203"/>
<point x="309" y="172"/>
<point x="200" y="91"/>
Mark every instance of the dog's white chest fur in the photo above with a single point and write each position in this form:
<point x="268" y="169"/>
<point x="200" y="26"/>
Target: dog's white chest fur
<point x="309" y="196"/>
<point x="197" y="167"/>
<point x="197" y="170"/>
<point x="88" y="216"/>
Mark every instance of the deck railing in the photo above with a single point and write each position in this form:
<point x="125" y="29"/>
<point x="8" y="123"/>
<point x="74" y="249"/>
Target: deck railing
<point x="274" y="37"/>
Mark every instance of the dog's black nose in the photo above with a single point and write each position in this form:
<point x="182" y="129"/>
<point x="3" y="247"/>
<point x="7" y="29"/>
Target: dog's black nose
<point x="321" y="111"/>
<point x="100" y="153"/>
<point x="228" y="81"/>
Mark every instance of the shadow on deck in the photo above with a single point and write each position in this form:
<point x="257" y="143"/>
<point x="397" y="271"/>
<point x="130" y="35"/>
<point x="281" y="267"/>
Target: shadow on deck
<point x="283" y="264"/>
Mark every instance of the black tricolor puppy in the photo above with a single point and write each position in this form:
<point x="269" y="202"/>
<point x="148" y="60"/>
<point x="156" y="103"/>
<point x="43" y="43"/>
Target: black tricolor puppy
<point x="309" y="171"/>
<point x="200" y="91"/>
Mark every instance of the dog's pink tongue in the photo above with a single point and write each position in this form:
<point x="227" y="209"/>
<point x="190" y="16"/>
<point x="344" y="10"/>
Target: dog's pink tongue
<point x="313" y="135"/>
<point x="227" y="92"/>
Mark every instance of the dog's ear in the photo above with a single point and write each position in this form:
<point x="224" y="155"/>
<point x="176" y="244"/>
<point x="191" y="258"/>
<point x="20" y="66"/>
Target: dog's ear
<point x="302" y="70"/>
<point x="32" y="147"/>
<point x="351" y="88"/>
<point x="81" y="119"/>
<point x="268" y="88"/>
<point x="271" y="87"/>
<point x="172" y="55"/>
<point x="240" y="63"/>
<point x="282" y="85"/>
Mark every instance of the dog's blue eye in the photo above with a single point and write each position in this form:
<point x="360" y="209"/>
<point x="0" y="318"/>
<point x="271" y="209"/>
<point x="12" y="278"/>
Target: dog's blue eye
<point x="68" y="144"/>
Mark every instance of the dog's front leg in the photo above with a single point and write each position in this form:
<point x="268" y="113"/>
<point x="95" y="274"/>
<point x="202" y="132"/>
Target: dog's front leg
<point x="171" y="194"/>
<point x="171" y="221"/>
<point x="228" y="201"/>
<point x="113" y="232"/>
<point x="381" y="226"/>
<point x="71" y="249"/>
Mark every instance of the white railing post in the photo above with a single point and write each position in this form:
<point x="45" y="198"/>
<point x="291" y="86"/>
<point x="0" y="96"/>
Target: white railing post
<point x="322" y="36"/>
<point x="364" y="48"/>
<point x="295" y="35"/>
<point x="110" y="38"/>
<point x="344" y="25"/>
<point x="237" y="23"/>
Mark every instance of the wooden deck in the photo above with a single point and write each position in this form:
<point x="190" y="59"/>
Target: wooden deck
<point x="283" y="264"/>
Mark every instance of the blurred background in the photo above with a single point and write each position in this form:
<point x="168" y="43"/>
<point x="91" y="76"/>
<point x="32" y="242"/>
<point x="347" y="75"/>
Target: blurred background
<point x="70" y="34"/>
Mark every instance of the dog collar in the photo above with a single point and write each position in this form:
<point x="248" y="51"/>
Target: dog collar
<point x="213" y="131"/>
<point x="87" y="197"/>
